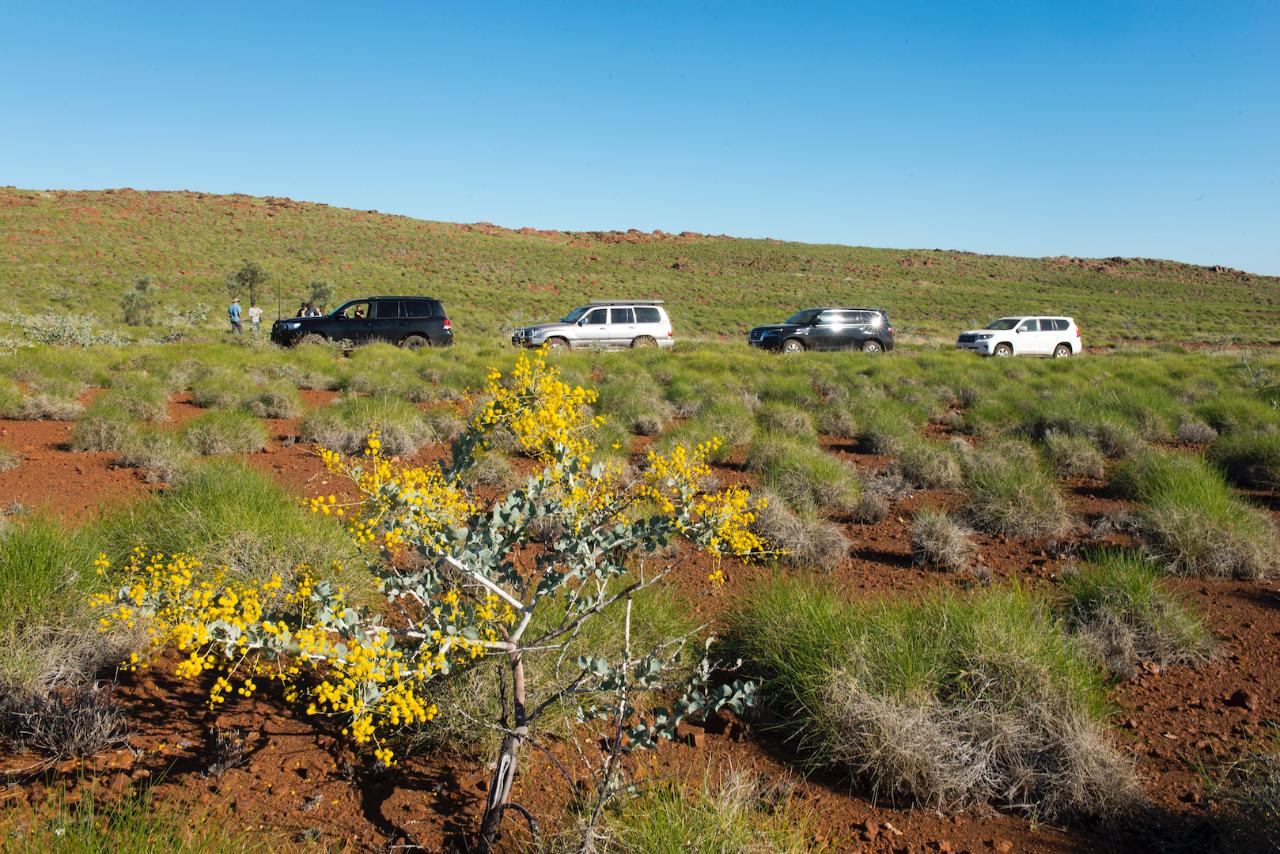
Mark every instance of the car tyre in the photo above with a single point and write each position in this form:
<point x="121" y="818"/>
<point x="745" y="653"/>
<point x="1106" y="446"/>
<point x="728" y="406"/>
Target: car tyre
<point x="415" y="342"/>
<point x="1062" y="351"/>
<point x="1002" y="350"/>
<point x="793" y="345"/>
<point x="644" y="341"/>
<point x="557" y="344"/>
<point x="312" y="338"/>
<point x="872" y="347"/>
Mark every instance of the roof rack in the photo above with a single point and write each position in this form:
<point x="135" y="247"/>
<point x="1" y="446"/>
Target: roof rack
<point x="626" y="302"/>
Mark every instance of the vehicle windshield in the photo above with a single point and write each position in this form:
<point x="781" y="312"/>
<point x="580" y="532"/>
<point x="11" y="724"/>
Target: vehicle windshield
<point x="804" y="318"/>
<point x="1004" y="323"/>
<point x="572" y="317"/>
<point x="347" y="311"/>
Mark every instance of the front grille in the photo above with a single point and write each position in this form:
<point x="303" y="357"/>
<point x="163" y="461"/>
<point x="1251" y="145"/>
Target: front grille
<point x="968" y="339"/>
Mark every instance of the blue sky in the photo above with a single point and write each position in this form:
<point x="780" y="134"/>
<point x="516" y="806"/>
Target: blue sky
<point x="1026" y="128"/>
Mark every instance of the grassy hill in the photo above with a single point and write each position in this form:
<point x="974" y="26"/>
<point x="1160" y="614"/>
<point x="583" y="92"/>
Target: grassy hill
<point x="75" y="253"/>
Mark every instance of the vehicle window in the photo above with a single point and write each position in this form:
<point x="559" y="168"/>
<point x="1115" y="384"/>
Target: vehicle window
<point x="1003" y="323"/>
<point x="803" y="318"/>
<point x="859" y="318"/>
<point x="353" y="311"/>
<point x="621" y="315"/>
<point x="1060" y="325"/>
<point x="419" y="308"/>
<point x="646" y="314"/>
<point x="385" y="309"/>
<point x="830" y="318"/>
<point x="599" y="316"/>
<point x="1028" y="326"/>
<point x="572" y="317"/>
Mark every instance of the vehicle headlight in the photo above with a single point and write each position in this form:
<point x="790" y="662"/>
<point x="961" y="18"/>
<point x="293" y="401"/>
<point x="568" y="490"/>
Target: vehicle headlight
<point x="292" y="324"/>
<point x="986" y="336"/>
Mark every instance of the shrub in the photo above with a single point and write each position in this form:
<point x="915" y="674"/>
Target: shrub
<point x="1193" y="522"/>
<point x="736" y="814"/>
<point x="807" y="478"/>
<point x="345" y="425"/>
<point x="104" y="428"/>
<point x="1074" y="455"/>
<point x="939" y="542"/>
<point x="1249" y="459"/>
<point x="138" y="304"/>
<point x="927" y="466"/>
<point x="804" y="542"/>
<point x="225" y="431"/>
<point x="1196" y="432"/>
<point x="1011" y="493"/>
<point x="74" y="721"/>
<point x="1116" y="604"/>
<point x="947" y="702"/>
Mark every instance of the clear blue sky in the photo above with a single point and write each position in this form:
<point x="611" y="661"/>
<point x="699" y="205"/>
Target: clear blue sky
<point x="1031" y="128"/>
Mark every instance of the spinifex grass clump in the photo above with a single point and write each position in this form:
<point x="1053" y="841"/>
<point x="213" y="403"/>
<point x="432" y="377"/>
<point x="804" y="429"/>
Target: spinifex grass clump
<point x="1012" y="493"/>
<point x="807" y="541"/>
<point x="106" y="426"/>
<point x="463" y="588"/>
<point x="1074" y="456"/>
<point x="928" y="465"/>
<point x="1191" y="520"/>
<point x="345" y="425"/>
<point x="1117" y="605"/>
<point x="808" y="478"/>
<point x="225" y="431"/>
<point x="947" y="702"/>
<point x="1250" y="459"/>
<point x="940" y="542"/>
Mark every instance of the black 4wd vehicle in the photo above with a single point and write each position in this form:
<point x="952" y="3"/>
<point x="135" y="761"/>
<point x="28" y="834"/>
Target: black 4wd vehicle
<point x="865" y="329"/>
<point x="410" y="322"/>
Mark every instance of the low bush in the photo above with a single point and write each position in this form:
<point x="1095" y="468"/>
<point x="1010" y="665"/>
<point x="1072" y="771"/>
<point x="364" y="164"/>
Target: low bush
<point x="940" y="542"/>
<point x="1250" y="459"/>
<point x="947" y="702"/>
<point x="42" y="406"/>
<point x="273" y="402"/>
<point x="78" y="720"/>
<point x="1118" y="607"/>
<point x="885" y="434"/>
<point x="225" y="431"/>
<point x="807" y="478"/>
<point x="345" y="425"/>
<point x="105" y="427"/>
<point x="1074" y="455"/>
<point x="927" y="465"/>
<point x="1196" y="432"/>
<point x="1012" y="493"/>
<point x="804" y="542"/>
<point x="220" y="388"/>
<point x="784" y="420"/>
<point x="159" y="456"/>
<point x="144" y="398"/>
<point x="737" y="813"/>
<point x="1193" y="522"/>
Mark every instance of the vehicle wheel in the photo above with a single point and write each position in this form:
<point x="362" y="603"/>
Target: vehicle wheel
<point x="557" y="344"/>
<point x="415" y="342"/>
<point x="872" y="347"/>
<point x="1003" y="350"/>
<point x="793" y="345"/>
<point x="311" y="338"/>
<point x="643" y="341"/>
<point x="1061" y="351"/>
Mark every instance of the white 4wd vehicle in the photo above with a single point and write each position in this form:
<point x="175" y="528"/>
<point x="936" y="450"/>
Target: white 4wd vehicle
<point x="605" y="324"/>
<point x="1029" y="336"/>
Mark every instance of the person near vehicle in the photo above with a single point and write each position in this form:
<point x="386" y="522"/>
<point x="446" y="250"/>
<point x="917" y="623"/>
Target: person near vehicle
<point x="255" y="318"/>
<point x="312" y="311"/>
<point x="233" y="314"/>
<point x="304" y="310"/>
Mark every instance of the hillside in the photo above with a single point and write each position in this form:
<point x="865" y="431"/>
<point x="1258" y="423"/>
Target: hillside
<point x="75" y="252"/>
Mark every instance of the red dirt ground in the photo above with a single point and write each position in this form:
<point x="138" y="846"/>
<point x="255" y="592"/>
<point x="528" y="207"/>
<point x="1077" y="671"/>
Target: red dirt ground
<point x="298" y="778"/>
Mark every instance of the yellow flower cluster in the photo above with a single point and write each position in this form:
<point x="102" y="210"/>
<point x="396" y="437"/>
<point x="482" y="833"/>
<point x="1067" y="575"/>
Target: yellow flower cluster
<point x="549" y="418"/>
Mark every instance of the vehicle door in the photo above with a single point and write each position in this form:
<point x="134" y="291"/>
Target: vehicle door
<point x="593" y="328"/>
<point x="649" y="322"/>
<point x="1028" y="337"/>
<point x="416" y="316"/>
<point x="385" y="321"/>
<point x="352" y="323"/>
<point x="830" y="331"/>
<point x="622" y="326"/>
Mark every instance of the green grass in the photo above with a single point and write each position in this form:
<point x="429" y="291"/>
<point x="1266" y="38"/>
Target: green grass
<point x="1012" y="493"/>
<point x="1250" y="459"/>
<point x="1118" y="605"/>
<point x="224" y="431"/>
<point x="911" y="697"/>
<point x="809" y="479"/>
<point x="1193" y="522"/>
<point x="345" y="425"/>
<point x="490" y="278"/>
<point x="106" y="426"/>
<point x="224" y="512"/>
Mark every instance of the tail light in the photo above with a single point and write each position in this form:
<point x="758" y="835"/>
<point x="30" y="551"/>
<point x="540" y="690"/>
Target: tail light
<point x="669" y="335"/>
<point x="890" y="330"/>
<point x="448" y="324"/>
<point x="1079" y="326"/>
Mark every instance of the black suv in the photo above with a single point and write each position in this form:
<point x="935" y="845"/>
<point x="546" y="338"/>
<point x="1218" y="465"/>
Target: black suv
<point x="832" y="328"/>
<point x="411" y="322"/>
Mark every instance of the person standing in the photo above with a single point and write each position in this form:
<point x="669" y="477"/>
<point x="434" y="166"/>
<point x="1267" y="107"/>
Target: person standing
<point x="255" y="318"/>
<point x="233" y="314"/>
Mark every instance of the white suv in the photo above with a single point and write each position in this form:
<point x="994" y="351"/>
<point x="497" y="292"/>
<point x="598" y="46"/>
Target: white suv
<point x="605" y="324"/>
<point x="1030" y="336"/>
